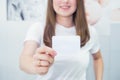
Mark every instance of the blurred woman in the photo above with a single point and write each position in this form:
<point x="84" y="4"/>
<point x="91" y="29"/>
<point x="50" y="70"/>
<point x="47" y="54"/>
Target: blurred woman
<point x="64" y="18"/>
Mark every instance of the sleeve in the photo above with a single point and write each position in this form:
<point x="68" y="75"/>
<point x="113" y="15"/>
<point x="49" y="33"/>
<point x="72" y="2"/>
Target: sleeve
<point x="95" y="42"/>
<point x="34" y="33"/>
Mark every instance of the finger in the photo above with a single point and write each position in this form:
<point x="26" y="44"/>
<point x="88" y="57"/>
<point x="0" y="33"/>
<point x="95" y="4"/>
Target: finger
<point x="44" y="57"/>
<point x="47" y="50"/>
<point x="41" y="63"/>
<point x="50" y="51"/>
<point x="40" y="50"/>
<point x="41" y="70"/>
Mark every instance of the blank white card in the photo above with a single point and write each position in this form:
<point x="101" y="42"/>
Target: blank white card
<point x="66" y="45"/>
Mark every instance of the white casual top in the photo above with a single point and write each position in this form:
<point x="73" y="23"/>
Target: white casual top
<point x="68" y="68"/>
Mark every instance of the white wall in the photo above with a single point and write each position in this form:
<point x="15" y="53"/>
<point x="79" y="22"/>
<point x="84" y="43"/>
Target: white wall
<point x="3" y="10"/>
<point x="11" y="42"/>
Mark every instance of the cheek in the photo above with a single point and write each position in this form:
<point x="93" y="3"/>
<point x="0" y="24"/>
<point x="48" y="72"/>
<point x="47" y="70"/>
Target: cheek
<point x="56" y="4"/>
<point x="74" y="4"/>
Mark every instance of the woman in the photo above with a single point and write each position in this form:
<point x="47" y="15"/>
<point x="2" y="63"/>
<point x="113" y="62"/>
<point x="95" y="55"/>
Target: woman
<point x="64" y="17"/>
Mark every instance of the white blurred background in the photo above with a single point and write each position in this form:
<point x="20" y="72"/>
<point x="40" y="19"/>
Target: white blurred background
<point x="12" y="34"/>
<point x="30" y="10"/>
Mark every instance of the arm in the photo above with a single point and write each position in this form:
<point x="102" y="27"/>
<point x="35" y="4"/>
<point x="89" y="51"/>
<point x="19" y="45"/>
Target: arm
<point x="98" y="65"/>
<point x="26" y="57"/>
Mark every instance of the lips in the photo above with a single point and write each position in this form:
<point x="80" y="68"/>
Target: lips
<point x="65" y="7"/>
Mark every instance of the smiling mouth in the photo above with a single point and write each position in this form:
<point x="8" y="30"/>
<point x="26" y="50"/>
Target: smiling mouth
<point x="65" y="7"/>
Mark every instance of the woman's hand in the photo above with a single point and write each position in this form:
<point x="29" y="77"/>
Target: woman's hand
<point x="43" y="59"/>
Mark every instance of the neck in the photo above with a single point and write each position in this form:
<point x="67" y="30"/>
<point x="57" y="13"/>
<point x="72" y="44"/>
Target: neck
<point x="65" y="21"/>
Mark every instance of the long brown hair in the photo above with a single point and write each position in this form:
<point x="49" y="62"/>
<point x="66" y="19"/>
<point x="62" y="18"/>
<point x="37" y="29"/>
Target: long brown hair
<point x="79" y="19"/>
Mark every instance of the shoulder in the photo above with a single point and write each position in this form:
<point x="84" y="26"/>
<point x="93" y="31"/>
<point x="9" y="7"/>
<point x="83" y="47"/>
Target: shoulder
<point x="94" y="40"/>
<point x="37" y="27"/>
<point x="92" y="30"/>
<point x="93" y="34"/>
<point x="35" y="32"/>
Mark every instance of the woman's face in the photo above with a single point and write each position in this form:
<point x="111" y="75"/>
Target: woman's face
<point x="64" y="8"/>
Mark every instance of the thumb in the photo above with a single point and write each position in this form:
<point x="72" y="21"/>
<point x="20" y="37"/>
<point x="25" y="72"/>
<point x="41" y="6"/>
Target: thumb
<point x="50" y="51"/>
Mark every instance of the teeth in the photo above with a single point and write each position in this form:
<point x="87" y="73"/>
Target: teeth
<point x="65" y="6"/>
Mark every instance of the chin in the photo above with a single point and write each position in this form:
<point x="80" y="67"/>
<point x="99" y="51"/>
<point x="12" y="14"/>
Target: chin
<point x="66" y="14"/>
